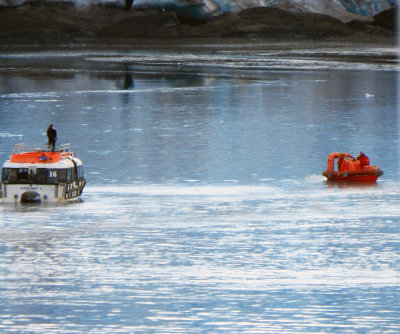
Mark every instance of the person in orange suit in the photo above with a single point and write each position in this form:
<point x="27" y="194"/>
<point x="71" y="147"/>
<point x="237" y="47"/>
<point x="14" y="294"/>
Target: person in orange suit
<point x="363" y="159"/>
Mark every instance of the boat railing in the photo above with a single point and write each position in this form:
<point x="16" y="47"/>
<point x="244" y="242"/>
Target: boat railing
<point x="64" y="148"/>
<point x="23" y="148"/>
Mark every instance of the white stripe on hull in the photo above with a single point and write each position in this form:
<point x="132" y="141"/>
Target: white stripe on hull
<point x="56" y="193"/>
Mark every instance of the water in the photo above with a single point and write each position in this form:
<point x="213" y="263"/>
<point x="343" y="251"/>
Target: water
<point x="205" y="209"/>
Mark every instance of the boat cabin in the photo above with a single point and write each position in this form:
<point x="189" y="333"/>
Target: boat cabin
<point x="37" y="173"/>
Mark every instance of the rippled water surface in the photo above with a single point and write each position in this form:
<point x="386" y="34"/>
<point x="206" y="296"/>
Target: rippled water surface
<point x="205" y="209"/>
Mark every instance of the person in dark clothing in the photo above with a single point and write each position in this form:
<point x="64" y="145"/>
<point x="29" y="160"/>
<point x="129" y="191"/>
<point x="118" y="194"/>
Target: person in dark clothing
<point x="52" y="137"/>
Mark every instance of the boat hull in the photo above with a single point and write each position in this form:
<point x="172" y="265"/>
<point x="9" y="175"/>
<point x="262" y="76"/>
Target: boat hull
<point x="354" y="176"/>
<point x="40" y="193"/>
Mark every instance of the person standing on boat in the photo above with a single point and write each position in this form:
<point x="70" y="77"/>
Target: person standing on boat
<point x="52" y="137"/>
<point x="363" y="159"/>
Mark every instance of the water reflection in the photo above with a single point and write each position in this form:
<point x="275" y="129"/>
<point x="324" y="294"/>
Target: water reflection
<point x="206" y="126"/>
<point x="351" y="184"/>
<point x="129" y="83"/>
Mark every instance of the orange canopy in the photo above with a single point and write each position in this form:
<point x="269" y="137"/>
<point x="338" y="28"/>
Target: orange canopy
<point x="36" y="157"/>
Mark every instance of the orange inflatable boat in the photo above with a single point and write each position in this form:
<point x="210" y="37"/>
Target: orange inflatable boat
<point x="351" y="169"/>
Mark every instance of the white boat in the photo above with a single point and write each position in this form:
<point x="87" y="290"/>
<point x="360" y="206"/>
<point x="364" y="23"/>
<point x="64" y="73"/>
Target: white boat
<point x="39" y="175"/>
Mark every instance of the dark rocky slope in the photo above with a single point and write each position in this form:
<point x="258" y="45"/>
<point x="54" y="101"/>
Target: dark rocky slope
<point x="61" y="23"/>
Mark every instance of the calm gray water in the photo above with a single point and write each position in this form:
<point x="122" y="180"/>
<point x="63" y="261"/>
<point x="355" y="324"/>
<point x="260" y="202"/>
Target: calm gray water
<point x="205" y="209"/>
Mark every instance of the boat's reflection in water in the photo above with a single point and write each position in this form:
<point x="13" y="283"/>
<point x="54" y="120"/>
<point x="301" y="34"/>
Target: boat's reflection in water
<point x="350" y="184"/>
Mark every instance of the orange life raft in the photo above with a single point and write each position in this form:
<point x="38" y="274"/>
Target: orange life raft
<point x="351" y="169"/>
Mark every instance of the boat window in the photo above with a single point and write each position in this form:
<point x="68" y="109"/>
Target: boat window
<point x="70" y="172"/>
<point x="22" y="176"/>
<point x="41" y="175"/>
<point x="68" y="175"/>
<point x="62" y="175"/>
<point x="80" y="172"/>
<point x="74" y="172"/>
<point x="13" y="175"/>
<point x="52" y="176"/>
<point x="5" y="174"/>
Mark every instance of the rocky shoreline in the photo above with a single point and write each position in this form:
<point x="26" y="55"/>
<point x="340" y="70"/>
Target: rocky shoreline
<point x="60" y="23"/>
